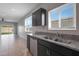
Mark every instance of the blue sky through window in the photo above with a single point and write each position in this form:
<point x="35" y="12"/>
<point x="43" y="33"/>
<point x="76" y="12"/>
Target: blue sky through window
<point x="66" y="12"/>
<point x="54" y="15"/>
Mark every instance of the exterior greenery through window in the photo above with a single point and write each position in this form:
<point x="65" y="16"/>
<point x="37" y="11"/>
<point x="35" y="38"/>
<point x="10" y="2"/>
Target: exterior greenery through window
<point x="28" y="24"/>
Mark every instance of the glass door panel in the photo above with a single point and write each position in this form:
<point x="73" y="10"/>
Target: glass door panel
<point x="7" y="35"/>
<point x="7" y="31"/>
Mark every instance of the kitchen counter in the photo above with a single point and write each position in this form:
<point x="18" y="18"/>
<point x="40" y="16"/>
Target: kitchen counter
<point x="74" y="45"/>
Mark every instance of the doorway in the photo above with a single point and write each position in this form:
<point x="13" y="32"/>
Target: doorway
<point x="7" y="35"/>
<point x="6" y="31"/>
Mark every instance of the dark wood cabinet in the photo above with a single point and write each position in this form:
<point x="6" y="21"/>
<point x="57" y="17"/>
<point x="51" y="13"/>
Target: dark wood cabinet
<point x="45" y="48"/>
<point x="43" y="51"/>
<point x="28" y="42"/>
<point x="34" y="21"/>
<point x="39" y="17"/>
<point x="53" y="49"/>
<point x="54" y="53"/>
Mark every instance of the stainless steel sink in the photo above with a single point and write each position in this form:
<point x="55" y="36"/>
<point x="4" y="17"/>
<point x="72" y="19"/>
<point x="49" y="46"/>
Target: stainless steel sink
<point x="63" y="41"/>
<point x="58" y="40"/>
<point x="46" y="37"/>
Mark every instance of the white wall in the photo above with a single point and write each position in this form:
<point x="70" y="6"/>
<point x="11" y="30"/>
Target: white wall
<point x="21" y="28"/>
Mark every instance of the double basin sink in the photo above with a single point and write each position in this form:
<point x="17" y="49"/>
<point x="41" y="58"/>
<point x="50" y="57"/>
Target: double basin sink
<point x="58" y="39"/>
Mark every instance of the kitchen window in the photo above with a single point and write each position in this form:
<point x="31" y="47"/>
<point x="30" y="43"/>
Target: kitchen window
<point x="28" y="24"/>
<point x="62" y="18"/>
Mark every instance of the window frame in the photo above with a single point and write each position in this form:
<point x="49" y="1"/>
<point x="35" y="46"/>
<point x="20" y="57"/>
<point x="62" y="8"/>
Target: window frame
<point x="25" y="25"/>
<point x="58" y="9"/>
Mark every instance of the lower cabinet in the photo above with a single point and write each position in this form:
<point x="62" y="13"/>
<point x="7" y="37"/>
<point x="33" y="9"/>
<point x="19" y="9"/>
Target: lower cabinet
<point x="43" y="51"/>
<point x="55" y="53"/>
<point x="51" y="49"/>
<point x="28" y="42"/>
<point x="39" y="47"/>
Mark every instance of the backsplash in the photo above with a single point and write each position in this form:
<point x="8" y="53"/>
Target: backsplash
<point x="45" y="29"/>
<point x="64" y="36"/>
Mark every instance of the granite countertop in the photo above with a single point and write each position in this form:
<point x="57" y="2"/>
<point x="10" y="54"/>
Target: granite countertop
<point x="74" y="45"/>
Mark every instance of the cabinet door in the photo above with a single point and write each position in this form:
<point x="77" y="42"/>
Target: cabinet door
<point x="34" y="23"/>
<point x="43" y="51"/>
<point x="38" y="17"/>
<point x="54" y="53"/>
<point x="61" y="49"/>
<point x="75" y="53"/>
<point x="28" y="42"/>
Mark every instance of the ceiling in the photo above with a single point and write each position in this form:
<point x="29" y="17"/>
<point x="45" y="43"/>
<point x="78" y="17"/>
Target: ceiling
<point x="15" y="11"/>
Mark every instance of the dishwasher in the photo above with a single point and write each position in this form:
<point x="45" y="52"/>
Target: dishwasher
<point x="33" y="46"/>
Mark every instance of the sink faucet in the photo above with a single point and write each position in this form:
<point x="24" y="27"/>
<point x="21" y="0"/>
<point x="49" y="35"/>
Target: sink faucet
<point x="59" y="35"/>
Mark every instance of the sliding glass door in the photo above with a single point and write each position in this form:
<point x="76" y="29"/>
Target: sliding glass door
<point x="7" y="35"/>
<point x="6" y="30"/>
